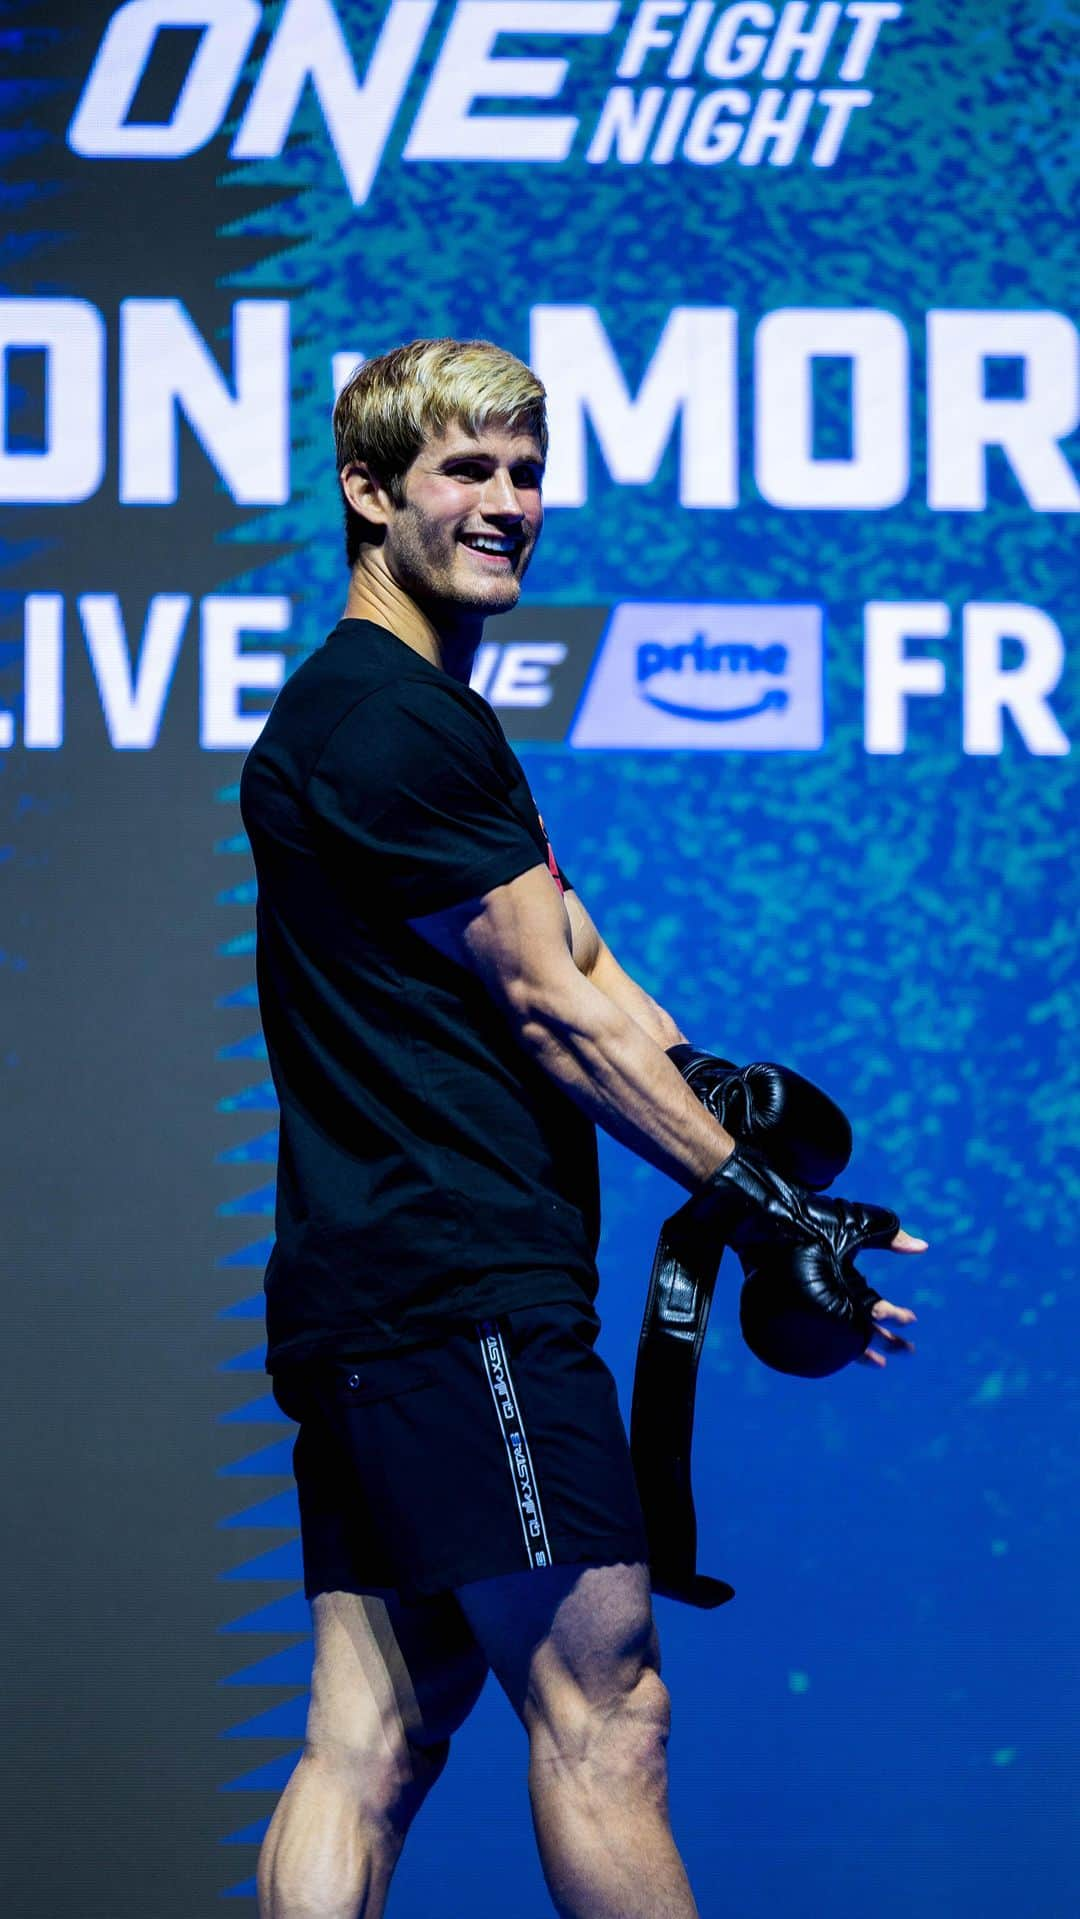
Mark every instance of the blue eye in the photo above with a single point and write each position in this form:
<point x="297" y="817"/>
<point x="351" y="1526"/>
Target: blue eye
<point x="526" y="476"/>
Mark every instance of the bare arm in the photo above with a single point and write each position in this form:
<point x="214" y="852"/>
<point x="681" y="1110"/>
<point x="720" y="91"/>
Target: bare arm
<point x="594" y="958"/>
<point x="519" y="941"/>
<point x="599" y="965"/>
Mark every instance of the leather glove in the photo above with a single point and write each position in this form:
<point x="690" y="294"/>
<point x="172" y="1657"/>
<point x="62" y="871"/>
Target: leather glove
<point x="805" y="1307"/>
<point x="799" y="1129"/>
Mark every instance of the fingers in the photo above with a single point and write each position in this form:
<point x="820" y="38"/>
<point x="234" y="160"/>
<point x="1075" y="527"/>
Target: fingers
<point x="894" y="1340"/>
<point x="884" y="1309"/>
<point x="907" y="1243"/>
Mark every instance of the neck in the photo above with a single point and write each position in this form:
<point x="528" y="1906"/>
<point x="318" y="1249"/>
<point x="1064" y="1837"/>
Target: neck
<point x="448" y="641"/>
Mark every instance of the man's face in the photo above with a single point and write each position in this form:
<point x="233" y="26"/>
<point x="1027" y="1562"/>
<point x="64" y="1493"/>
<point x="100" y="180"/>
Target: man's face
<point x="471" y="519"/>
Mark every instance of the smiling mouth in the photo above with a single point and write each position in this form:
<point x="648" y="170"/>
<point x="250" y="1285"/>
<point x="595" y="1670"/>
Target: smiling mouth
<point x="490" y="547"/>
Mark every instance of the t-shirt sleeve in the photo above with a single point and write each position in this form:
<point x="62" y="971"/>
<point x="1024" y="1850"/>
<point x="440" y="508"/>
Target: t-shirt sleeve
<point x="412" y="795"/>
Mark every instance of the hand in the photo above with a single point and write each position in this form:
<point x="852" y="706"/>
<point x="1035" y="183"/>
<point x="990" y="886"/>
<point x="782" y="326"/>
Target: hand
<point x="901" y="1243"/>
<point x="798" y="1128"/>
<point x="805" y="1307"/>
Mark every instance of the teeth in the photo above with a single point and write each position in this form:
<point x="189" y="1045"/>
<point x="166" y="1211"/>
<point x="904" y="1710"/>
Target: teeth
<point x="488" y="544"/>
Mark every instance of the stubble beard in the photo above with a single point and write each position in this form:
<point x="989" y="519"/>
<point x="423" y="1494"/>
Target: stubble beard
<point x="442" y="586"/>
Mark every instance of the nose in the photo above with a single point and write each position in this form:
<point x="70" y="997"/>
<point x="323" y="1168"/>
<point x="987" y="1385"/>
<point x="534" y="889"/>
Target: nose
<point x="499" y="497"/>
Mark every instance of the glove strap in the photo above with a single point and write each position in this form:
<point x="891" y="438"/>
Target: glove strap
<point x="684" y="1272"/>
<point x="685" y="1265"/>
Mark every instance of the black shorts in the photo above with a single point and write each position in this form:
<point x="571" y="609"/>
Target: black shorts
<point x="498" y="1450"/>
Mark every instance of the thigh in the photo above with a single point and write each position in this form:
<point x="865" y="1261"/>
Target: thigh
<point x="588" y="1630"/>
<point x="385" y="1670"/>
<point x="499" y="1450"/>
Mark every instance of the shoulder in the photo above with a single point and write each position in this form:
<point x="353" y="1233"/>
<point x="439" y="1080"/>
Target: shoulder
<point x="412" y="718"/>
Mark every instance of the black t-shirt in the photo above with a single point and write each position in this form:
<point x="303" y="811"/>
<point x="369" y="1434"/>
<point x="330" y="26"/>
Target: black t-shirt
<point x="428" y="1170"/>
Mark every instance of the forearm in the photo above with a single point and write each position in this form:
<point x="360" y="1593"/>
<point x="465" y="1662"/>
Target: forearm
<point x="609" y="977"/>
<point x="606" y="1061"/>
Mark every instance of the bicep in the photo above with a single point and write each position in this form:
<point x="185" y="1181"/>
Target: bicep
<point x="594" y="957"/>
<point x="516" y="939"/>
<point x="587" y="943"/>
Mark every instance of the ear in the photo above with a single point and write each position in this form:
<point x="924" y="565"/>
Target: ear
<point x="365" y="494"/>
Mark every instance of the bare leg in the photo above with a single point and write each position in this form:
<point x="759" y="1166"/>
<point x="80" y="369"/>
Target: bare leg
<point x="390" y="1685"/>
<point x="577" y="1652"/>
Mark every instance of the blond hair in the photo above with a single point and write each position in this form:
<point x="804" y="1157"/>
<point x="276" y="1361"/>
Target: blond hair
<point x="391" y="406"/>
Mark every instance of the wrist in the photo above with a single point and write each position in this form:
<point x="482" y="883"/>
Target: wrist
<point x="681" y="1053"/>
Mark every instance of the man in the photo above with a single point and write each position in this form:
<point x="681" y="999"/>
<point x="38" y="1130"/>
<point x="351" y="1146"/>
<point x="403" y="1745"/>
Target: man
<point x="445" y="1026"/>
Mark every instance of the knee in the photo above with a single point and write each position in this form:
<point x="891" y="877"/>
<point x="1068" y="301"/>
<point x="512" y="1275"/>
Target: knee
<point x="634" y="1737"/>
<point x="377" y="1769"/>
<point x="618" y="1740"/>
<point x="637" y="1725"/>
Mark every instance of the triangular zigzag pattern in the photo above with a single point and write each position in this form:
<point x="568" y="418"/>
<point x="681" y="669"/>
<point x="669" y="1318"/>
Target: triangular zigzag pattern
<point x="288" y="1667"/>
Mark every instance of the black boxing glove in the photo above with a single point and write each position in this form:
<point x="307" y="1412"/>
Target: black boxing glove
<point x="805" y="1308"/>
<point x="800" y="1130"/>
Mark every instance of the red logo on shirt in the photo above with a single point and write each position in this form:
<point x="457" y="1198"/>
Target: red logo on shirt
<point x="552" y="862"/>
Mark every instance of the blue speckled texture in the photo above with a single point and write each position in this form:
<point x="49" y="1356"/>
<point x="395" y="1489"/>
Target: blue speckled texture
<point x="901" y="927"/>
<point x="883" y="1722"/>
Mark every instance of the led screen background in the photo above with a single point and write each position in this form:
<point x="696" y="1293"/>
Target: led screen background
<point x="886" y="1714"/>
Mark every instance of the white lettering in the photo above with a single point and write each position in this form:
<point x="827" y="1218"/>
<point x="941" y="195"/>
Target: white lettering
<point x="309" y="45"/>
<point x="626" y="124"/>
<point x="891" y="676"/>
<point x="133" y="701"/>
<point x="71" y="335"/>
<point x="875" y="345"/>
<point x="166" y="367"/>
<point x="646" y="33"/>
<point x="225" y="669"/>
<point x="523" y="677"/>
<point x="991" y="689"/>
<point x="869" y="17"/>
<point x="779" y="117"/>
<point x="99" y="129"/>
<point x="444" y="129"/>
<point x="682" y="60"/>
<point x="43" y="670"/>
<point x="811" y="43"/>
<point x="671" y="126"/>
<point x="963" y="421"/>
<point x="711" y="138"/>
<point x="839" y="104"/>
<point x="731" y="53"/>
<point x="342" y="368"/>
<point x="485" y="661"/>
<point x="691" y="376"/>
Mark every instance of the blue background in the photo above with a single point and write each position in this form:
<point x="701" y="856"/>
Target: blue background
<point x="886" y="1716"/>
